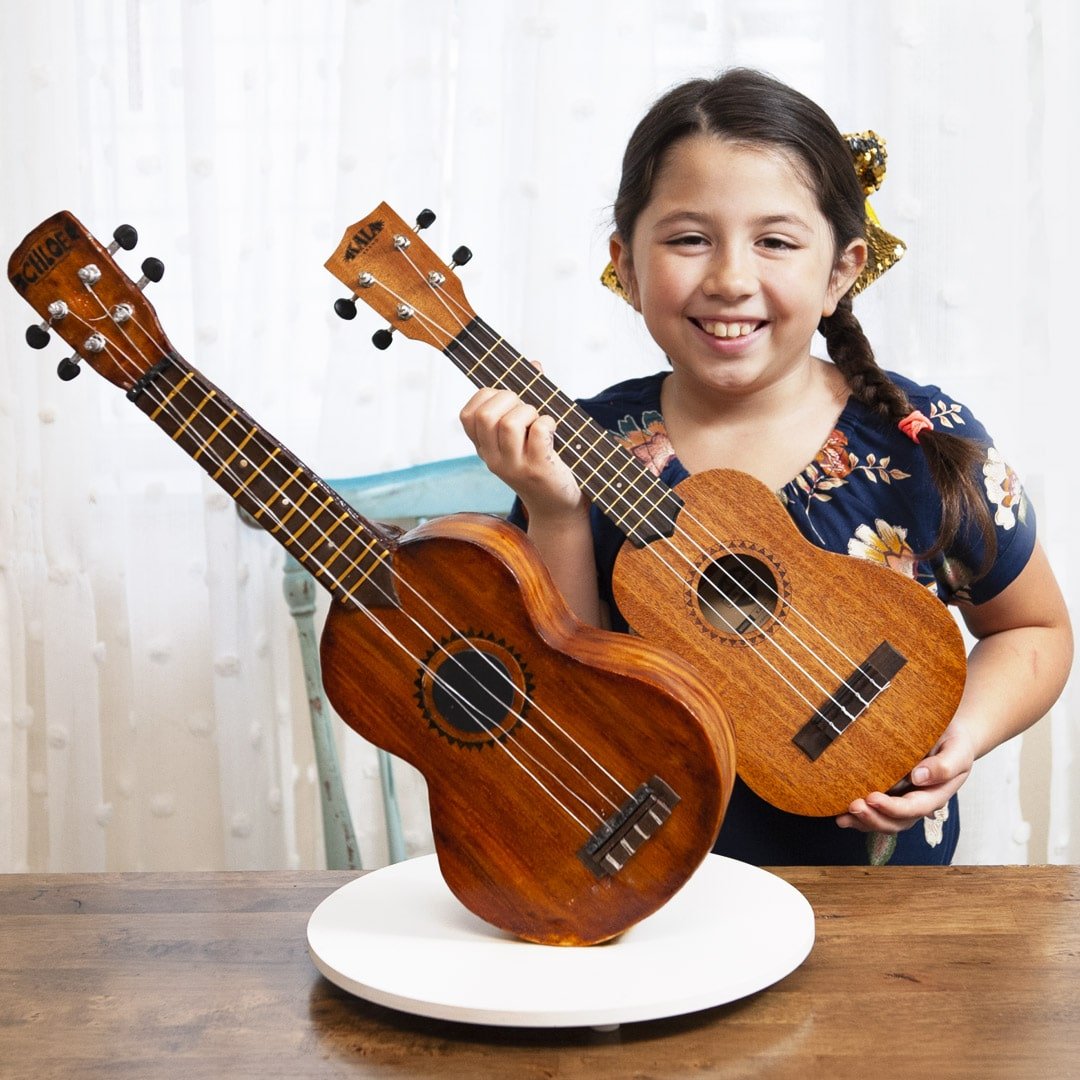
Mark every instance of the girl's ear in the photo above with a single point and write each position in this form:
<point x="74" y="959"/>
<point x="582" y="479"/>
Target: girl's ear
<point x="624" y="267"/>
<point x="848" y="267"/>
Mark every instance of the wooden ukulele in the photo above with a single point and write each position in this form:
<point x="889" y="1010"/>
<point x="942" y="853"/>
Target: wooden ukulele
<point x="576" y="777"/>
<point x="839" y="675"/>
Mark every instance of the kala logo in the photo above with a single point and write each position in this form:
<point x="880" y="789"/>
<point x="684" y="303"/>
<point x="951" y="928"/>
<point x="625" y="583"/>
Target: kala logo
<point x="361" y="238"/>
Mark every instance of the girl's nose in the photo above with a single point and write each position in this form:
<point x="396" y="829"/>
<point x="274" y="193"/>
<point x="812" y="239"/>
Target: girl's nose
<point x="729" y="276"/>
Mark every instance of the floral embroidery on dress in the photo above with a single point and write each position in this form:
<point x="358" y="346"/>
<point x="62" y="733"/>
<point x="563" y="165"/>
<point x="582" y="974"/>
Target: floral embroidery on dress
<point x="834" y="458"/>
<point x="886" y="545"/>
<point x="879" y="848"/>
<point x="934" y="825"/>
<point x="1004" y="490"/>
<point x="947" y="414"/>
<point x="833" y="465"/>
<point x="647" y="440"/>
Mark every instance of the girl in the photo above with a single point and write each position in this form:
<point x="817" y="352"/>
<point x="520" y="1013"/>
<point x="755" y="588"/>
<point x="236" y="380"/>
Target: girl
<point x="740" y="229"/>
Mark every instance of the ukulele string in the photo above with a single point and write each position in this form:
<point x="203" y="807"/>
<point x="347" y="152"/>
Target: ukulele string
<point x="166" y="402"/>
<point x="445" y="299"/>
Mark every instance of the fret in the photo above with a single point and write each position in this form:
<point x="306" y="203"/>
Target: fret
<point x="279" y="493"/>
<point x="215" y="433"/>
<point x="366" y="573"/>
<point x="198" y="409"/>
<point x="176" y="389"/>
<point x="475" y="372"/>
<point x="324" y="535"/>
<point x="638" y="502"/>
<point x="225" y="465"/>
<point x="258" y="472"/>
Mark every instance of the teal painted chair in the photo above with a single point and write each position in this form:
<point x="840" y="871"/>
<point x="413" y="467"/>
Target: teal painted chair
<point x="403" y="497"/>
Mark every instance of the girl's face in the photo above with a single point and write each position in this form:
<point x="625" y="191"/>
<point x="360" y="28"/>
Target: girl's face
<point x="732" y="265"/>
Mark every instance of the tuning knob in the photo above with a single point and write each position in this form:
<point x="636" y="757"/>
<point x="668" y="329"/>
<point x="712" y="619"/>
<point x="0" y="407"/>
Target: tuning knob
<point x="69" y="368"/>
<point x="424" y="219"/>
<point x="381" y="339"/>
<point x="345" y="308"/>
<point x="460" y="257"/>
<point x="37" y="336"/>
<point x="124" y="236"/>
<point x="153" y="270"/>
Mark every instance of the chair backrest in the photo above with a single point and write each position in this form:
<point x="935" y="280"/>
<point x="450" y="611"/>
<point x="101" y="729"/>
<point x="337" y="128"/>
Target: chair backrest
<point x="426" y="491"/>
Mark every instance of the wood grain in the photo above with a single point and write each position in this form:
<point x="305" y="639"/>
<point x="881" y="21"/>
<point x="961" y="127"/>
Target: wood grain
<point x="833" y="611"/>
<point x="916" y="972"/>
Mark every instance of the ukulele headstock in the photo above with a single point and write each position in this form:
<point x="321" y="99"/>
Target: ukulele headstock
<point x="72" y="281"/>
<point x="385" y="263"/>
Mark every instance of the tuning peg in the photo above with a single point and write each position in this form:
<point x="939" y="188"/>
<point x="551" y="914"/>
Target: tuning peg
<point x="345" y="308"/>
<point x="381" y="339"/>
<point x="124" y="236"/>
<point x="424" y="219"/>
<point x="37" y="336"/>
<point x="460" y="257"/>
<point x="67" y="369"/>
<point x="153" y="270"/>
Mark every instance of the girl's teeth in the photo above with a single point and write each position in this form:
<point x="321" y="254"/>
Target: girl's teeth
<point x="727" y="330"/>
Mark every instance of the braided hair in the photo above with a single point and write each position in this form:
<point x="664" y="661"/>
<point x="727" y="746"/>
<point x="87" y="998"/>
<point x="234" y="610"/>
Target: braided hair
<point x="749" y="108"/>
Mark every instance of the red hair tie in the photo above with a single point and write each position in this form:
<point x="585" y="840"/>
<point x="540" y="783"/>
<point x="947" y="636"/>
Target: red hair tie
<point x="913" y="423"/>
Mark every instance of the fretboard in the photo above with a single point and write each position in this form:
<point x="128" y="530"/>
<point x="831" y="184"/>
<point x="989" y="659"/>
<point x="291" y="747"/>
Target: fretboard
<point x="635" y="499"/>
<point x="343" y="551"/>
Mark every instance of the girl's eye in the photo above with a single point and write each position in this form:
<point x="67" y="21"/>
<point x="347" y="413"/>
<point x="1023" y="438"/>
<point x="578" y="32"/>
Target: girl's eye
<point x="692" y="240"/>
<point x="776" y="243"/>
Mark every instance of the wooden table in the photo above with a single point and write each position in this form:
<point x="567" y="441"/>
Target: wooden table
<point x="916" y="972"/>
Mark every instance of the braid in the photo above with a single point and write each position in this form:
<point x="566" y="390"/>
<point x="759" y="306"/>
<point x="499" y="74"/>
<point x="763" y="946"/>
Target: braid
<point x="953" y="462"/>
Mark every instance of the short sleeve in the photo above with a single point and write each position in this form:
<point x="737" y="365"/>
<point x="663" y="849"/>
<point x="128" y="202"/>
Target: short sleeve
<point x="1010" y="510"/>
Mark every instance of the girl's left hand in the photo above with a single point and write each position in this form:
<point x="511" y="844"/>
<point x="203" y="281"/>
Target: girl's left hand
<point x="933" y="782"/>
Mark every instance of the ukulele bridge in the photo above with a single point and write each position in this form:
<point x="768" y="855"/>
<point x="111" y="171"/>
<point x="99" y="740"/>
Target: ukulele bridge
<point x="850" y="701"/>
<point x="609" y="848"/>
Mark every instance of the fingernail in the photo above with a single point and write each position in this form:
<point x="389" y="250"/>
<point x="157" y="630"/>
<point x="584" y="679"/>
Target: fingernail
<point x="920" y="776"/>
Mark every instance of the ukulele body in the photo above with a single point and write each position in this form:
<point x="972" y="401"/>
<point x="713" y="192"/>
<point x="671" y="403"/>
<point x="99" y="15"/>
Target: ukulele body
<point x="572" y="722"/>
<point x="844" y="609"/>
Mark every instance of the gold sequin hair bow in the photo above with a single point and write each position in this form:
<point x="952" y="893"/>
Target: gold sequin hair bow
<point x="869" y="156"/>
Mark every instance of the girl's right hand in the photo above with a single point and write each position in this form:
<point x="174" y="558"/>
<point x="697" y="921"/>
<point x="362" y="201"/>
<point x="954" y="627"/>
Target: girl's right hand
<point x="517" y="445"/>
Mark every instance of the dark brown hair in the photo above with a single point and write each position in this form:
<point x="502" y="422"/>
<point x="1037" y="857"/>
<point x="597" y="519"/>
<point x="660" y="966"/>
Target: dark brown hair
<point x="750" y="108"/>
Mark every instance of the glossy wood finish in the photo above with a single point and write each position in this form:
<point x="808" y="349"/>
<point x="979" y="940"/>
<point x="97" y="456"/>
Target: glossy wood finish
<point x="916" y="972"/>
<point x="603" y="714"/>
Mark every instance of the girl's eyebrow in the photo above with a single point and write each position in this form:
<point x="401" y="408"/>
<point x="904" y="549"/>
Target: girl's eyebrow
<point x="765" y="221"/>
<point x="783" y="219"/>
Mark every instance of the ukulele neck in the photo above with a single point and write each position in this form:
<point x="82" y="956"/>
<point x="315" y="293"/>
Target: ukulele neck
<point x="637" y="501"/>
<point x="348" y="555"/>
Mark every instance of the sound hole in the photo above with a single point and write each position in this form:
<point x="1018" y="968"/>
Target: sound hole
<point x="474" y="690"/>
<point x="738" y="594"/>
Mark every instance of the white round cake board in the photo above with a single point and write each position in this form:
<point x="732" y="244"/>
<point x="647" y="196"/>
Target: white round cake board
<point x="399" y="937"/>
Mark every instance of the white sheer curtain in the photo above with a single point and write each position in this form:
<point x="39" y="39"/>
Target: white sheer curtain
<point x="152" y="713"/>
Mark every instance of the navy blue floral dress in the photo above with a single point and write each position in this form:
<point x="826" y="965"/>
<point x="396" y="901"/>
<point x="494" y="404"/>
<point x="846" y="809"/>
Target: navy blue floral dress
<point x="868" y="494"/>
